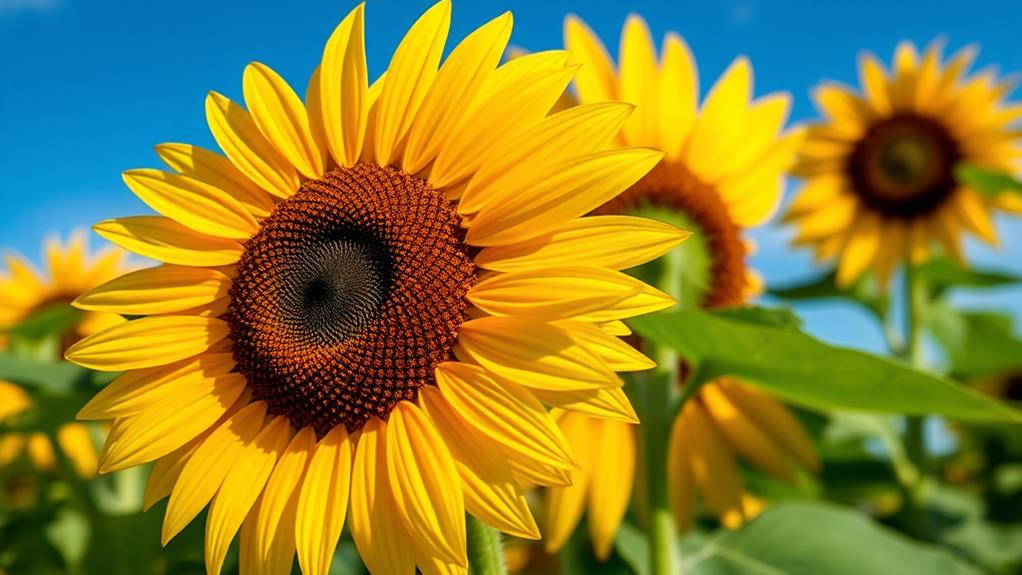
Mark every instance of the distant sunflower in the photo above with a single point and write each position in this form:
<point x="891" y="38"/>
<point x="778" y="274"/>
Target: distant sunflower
<point x="364" y="304"/>
<point x="723" y="172"/>
<point x="24" y="292"/>
<point x="880" y="169"/>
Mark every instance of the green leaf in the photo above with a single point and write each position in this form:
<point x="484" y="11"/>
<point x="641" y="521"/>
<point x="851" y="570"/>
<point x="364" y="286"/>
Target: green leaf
<point x="43" y="374"/>
<point x="633" y="547"/>
<point x="804" y="370"/>
<point x="812" y="539"/>
<point x="977" y="342"/>
<point x="51" y="320"/>
<point x="988" y="182"/>
<point x="778" y="317"/>
<point x="863" y="292"/>
<point x="941" y="274"/>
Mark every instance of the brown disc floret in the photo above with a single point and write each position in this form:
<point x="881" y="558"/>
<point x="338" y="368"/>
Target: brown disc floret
<point x="348" y="297"/>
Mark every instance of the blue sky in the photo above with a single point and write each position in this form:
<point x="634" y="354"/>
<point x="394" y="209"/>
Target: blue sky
<point x="89" y="86"/>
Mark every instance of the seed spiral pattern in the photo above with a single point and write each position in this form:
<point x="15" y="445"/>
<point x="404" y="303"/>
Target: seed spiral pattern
<point x="348" y="297"/>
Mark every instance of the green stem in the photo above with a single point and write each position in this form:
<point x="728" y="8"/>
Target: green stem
<point x="915" y="302"/>
<point x="658" y="411"/>
<point x="485" y="549"/>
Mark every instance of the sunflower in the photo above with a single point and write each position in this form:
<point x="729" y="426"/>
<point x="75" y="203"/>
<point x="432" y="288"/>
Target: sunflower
<point x="25" y="292"/>
<point x="723" y="172"/>
<point x="365" y="305"/>
<point x="880" y="170"/>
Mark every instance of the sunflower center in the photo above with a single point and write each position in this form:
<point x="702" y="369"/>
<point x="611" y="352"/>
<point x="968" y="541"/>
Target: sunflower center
<point x="904" y="166"/>
<point x="713" y="259"/>
<point x="348" y="297"/>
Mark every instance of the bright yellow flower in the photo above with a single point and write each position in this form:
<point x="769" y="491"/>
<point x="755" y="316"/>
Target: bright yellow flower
<point x="724" y="171"/>
<point x="365" y="305"/>
<point x="880" y="168"/>
<point x="24" y="291"/>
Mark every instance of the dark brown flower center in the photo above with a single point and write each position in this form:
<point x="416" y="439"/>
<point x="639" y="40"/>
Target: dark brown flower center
<point x="904" y="166"/>
<point x="348" y="297"/>
<point x="673" y="187"/>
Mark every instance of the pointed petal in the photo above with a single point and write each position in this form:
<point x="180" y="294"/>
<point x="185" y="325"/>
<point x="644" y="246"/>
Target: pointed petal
<point x="679" y="92"/>
<point x="596" y="80"/>
<point x="148" y="342"/>
<point x="425" y="483"/>
<point x="532" y="353"/>
<point x="166" y="240"/>
<point x="217" y="171"/>
<point x="343" y="85"/>
<point x="209" y="465"/>
<point x="719" y="127"/>
<point x="564" y="505"/>
<point x="615" y="242"/>
<point x="162" y="289"/>
<point x="279" y="114"/>
<point x="409" y="77"/>
<point x="608" y="403"/>
<point x="323" y="502"/>
<point x="610" y="488"/>
<point x="239" y="138"/>
<point x="639" y="83"/>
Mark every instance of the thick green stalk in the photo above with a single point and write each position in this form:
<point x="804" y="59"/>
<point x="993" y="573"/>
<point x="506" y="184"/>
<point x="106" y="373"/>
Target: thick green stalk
<point x="485" y="549"/>
<point x="657" y="413"/>
<point x="915" y="302"/>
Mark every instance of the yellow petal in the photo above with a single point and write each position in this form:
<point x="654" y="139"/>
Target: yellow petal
<point x="208" y="466"/>
<point x="76" y="443"/>
<point x="713" y="466"/>
<point x="425" y="483"/>
<point x="615" y="242"/>
<point x="581" y="129"/>
<point x="280" y="115"/>
<point x="157" y="431"/>
<point x="596" y="79"/>
<point x="268" y="534"/>
<point x="11" y="446"/>
<point x="148" y="342"/>
<point x="217" y="171"/>
<point x="860" y="249"/>
<point x="167" y="470"/>
<point x="241" y="488"/>
<point x="533" y="353"/>
<point x="679" y="92"/>
<point x="163" y="289"/>
<point x="617" y="354"/>
<point x="505" y="412"/>
<point x="491" y="492"/>
<point x="775" y="419"/>
<point x="166" y="240"/>
<point x="682" y="492"/>
<point x="764" y="123"/>
<point x="553" y="293"/>
<point x="719" y="128"/>
<point x="40" y="452"/>
<point x="409" y="76"/>
<point x="873" y="78"/>
<point x="975" y="215"/>
<point x="639" y="83"/>
<point x="499" y="119"/>
<point x="343" y="85"/>
<point x="240" y="139"/>
<point x="140" y="389"/>
<point x="551" y="199"/>
<point x="564" y="505"/>
<point x="743" y="434"/>
<point x="376" y="526"/>
<point x="192" y="203"/>
<point x="609" y="403"/>
<point x="610" y="487"/>
<point x="457" y="83"/>
<point x="323" y="502"/>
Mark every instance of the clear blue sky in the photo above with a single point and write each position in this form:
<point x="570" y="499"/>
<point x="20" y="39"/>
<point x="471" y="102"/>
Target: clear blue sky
<point x="87" y="87"/>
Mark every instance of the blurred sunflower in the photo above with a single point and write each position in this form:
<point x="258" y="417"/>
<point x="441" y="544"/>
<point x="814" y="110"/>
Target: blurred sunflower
<point x="364" y="304"/>
<point x="880" y="169"/>
<point x="25" y="292"/>
<point x="723" y="172"/>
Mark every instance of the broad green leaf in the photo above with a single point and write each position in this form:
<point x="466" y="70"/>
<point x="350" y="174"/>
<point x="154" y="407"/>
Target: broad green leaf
<point x="818" y="539"/>
<point x="977" y="342"/>
<point x="941" y="274"/>
<point x="51" y="320"/>
<point x="804" y="370"/>
<point x="990" y="183"/>
<point x="43" y="374"/>
<point x="633" y="547"/>
<point x="863" y="292"/>
<point x="779" y="317"/>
